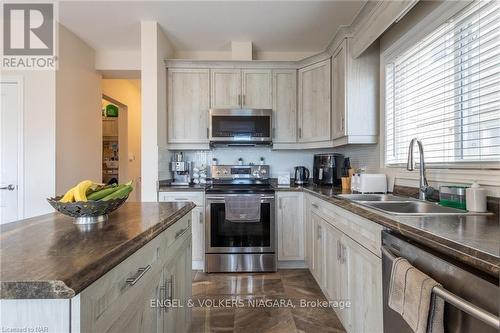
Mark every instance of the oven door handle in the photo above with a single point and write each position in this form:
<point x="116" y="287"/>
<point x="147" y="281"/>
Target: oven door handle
<point x="457" y="301"/>
<point x="222" y="197"/>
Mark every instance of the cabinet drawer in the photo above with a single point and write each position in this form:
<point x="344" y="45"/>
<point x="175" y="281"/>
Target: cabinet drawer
<point x="197" y="197"/>
<point x="103" y="302"/>
<point x="363" y="231"/>
<point x="176" y="231"/>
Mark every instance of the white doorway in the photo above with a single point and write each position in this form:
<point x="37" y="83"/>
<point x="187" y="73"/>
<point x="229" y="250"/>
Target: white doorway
<point x="11" y="149"/>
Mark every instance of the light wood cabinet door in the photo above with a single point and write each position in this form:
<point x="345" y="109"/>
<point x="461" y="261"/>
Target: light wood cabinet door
<point x="285" y="106"/>
<point x="314" y="102"/>
<point x="198" y="230"/>
<point x="309" y="248"/>
<point x="188" y="104"/>
<point x="256" y="89"/>
<point x="332" y="261"/>
<point x="177" y="288"/>
<point x="339" y="71"/>
<point x="362" y="271"/>
<point x="225" y="88"/>
<point x="290" y="226"/>
<point x="318" y="249"/>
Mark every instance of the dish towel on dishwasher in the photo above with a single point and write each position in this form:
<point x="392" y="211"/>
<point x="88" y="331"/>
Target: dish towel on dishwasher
<point x="410" y="295"/>
<point x="242" y="208"/>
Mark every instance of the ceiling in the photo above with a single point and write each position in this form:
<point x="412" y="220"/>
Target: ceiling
<point x="272" y="26"/>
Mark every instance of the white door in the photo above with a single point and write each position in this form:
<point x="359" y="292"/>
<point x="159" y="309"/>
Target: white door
<point x="10" y="151"/>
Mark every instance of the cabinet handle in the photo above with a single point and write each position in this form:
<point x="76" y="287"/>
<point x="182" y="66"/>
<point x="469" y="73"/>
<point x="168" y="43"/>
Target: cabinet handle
<point x="274" y="133"/>
<point x="300" y="132"/>
<point x="168" y="291"/>
<point x="339" y="250"/>
<point x="239" y="99"/>
<point x="180" y="232"/>
<point x="279" y="203"/>
<point x="343" y="124"/>
<point x="318" y="230"/>
<point x="315" y="206"/>
<point x="181" y="199"/>
<point x="208" y="132"/>
<point x="242" y="99"/>
<point x="201" y="217"/>
<point x="342" y="253"/>
<point x="140" y="272"/>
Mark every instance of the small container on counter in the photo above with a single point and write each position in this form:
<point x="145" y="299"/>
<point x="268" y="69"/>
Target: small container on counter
<point x="476" y="198"/>
<point x="452" y="196"/>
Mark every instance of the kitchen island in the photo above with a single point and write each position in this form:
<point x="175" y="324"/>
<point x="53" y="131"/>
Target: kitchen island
<point x="66" y="277"/>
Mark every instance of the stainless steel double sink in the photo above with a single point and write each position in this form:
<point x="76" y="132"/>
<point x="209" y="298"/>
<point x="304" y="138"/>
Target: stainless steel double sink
<point x="398" y="205"/>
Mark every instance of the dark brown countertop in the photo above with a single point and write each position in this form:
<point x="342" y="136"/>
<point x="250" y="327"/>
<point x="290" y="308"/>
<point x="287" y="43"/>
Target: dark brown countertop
<point x="50" y="257"/>
<point x="166" y="186"/>
<point x="474" y="240"/>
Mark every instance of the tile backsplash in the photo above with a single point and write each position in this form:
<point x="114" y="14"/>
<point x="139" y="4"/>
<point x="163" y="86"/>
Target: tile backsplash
<point x="279" y="160"/>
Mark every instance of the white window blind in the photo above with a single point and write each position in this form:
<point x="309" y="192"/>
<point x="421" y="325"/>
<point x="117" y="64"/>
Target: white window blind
<point x="445" y="90"/>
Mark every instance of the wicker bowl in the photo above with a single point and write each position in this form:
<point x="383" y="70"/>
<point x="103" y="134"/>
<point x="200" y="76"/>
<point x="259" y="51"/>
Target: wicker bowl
<point x="86" y="212"/>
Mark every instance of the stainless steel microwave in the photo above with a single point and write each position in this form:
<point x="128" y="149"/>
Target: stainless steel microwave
<point x="240" y="127"/>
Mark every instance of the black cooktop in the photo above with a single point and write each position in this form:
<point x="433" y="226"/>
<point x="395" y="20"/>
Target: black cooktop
<point x="240" y="186"/>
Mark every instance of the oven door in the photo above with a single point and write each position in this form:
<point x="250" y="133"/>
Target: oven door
<point x="223" y="236"/>
<point x="240" y="125"/>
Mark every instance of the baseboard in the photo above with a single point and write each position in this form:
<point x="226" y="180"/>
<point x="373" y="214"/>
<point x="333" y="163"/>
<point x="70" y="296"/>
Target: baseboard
<point x="198" y="265"/>
<point x="292" y="264"/>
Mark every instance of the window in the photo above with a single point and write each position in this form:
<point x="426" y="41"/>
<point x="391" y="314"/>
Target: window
<point x="445" y="90"/>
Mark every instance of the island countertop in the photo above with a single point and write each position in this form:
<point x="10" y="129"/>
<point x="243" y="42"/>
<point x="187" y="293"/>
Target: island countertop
<point x="49" y="256"/>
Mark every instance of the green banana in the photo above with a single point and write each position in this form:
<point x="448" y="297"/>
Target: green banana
<point x="103" y="193"/>
<point x="121" y="192"/>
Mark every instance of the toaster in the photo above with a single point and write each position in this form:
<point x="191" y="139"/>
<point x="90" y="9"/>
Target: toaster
<point x="369" y="183"/>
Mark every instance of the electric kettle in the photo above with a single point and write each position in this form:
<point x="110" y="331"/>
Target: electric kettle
<point x="301" y="175"/>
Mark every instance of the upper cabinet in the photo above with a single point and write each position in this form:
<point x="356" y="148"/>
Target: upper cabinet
<point x="314" y="119"/>
<point x="322" y="102"/>
<point x="284" y="106"/>
<point x="236" y="88"/>
<point x="256" y="89"/>
<point x="355" y="89"/>
<point x="225" y="88"/>
<point x="188" y="101"/>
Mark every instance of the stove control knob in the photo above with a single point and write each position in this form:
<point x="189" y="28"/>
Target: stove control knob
<point x="225" y="171"/>
<point x="263" y="171"/>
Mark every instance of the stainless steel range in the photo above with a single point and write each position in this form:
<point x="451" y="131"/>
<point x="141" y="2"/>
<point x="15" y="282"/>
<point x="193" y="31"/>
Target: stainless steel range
<point x="240" y="245"/>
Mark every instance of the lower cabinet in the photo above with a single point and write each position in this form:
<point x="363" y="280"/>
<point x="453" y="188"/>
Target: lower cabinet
<point x="290" y="226"/>
<point x="143" y="292"/>
<point x="198" y="217"/>
<point x="176" y="277"/>
<point x="343" y="267"/>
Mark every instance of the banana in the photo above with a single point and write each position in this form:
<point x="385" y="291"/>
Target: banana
<point x="81" y="190"/>
<point x="69" y="196"/>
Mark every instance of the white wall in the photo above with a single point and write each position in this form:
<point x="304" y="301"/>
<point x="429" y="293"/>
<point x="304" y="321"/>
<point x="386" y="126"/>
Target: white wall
<point x="118" y="60"/>
<point x="227" y="55"/>
<point x="128" y="92"/>
<point x="488" y="178"/>
<point x="78" y="113"/>
<point x="155" y="47"/>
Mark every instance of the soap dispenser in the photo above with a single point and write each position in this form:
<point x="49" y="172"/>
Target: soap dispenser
<point x="475" y="198"/>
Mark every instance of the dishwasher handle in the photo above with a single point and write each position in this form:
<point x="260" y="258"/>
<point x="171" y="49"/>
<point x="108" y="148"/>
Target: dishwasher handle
<point x="457" y="301"/>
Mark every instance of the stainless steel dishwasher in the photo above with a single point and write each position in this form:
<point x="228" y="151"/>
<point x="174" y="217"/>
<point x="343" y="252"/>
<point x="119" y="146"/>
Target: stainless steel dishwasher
<point x="471" y="298"/>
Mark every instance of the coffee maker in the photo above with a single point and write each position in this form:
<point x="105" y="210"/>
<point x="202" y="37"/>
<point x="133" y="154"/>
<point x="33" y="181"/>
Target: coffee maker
<point x="328" y="169"/>
<point x="181" y="170"/>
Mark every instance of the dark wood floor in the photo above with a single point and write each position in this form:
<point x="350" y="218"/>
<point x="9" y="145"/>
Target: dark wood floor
<point x="283" y="287"/>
